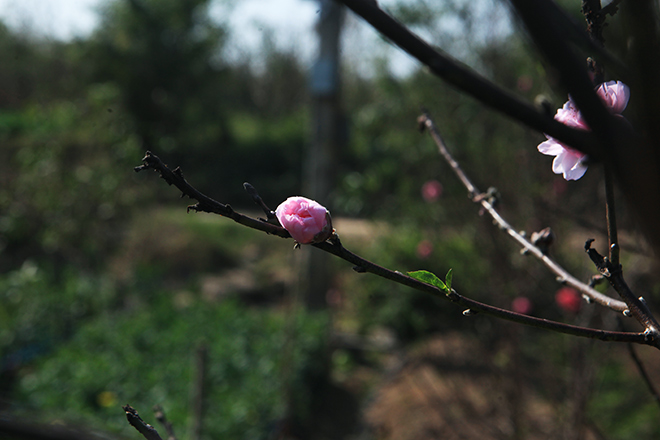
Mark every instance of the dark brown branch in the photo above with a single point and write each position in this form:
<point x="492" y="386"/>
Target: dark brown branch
<point x="425" y="121"/>
<point x="469" y="81"/>
<point x="205" y="203"/>
<point x="160" y="416"/>
<point x="614" y="275"/>
<point x="361" y="265"/>
<point x="643" y="373"/>
<point x="148" y="431"/>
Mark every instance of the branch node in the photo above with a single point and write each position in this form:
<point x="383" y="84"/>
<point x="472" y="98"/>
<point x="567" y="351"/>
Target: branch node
<point x="469" y="312"/>
<point x="359" y="269"/>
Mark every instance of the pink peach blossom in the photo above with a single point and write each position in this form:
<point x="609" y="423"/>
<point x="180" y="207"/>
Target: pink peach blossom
<point x="522" y="304"/>
<point x="568" y="299"/>
<point x="568" y="161"/>
<point x="306" y="220"/>
<point x="431" y="190"/>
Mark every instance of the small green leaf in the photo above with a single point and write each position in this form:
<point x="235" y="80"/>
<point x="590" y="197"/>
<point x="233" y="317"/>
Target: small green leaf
<point x="448" y="278"/>
<point x="429" y="278"/>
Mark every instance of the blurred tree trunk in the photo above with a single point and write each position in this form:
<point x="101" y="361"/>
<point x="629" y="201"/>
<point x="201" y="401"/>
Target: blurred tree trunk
<point x="320" y="165"/>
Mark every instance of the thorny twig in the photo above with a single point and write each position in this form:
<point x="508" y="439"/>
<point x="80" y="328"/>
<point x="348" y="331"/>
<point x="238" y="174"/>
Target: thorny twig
<point x="334" y="246"/>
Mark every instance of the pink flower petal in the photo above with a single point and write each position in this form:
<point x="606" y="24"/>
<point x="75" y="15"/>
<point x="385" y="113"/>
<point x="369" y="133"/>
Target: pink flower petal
<point x="615" y="95"/>
<point x="551" y="147"/>
<point x="569" y="162"/>
<point x="306" y="220"/>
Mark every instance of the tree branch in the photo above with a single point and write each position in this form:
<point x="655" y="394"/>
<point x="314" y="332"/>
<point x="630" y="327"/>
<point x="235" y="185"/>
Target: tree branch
<point x="643" y="373"/>
<point x="334" y="246"/>
<point x="148" y="431"/>
<point x="469" y="81"/>
<point x="426" y="122"/>
<point x="614" y="275"/>
<point x="160" y="416"/>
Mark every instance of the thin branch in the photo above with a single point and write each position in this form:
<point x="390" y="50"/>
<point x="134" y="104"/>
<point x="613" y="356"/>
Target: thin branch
<point x="362" y="265"/>
<point x="610" y="214"/>
<point x="643" y="373"/>
<point x="205" y="203"/>
<point x="148" y="431"/>
<point x="614" y="275"/>
<point x="334" y="246"/>
<point x="160" y="416"/>
<point x="470" y="82"/>
<point x="425" y="121"/>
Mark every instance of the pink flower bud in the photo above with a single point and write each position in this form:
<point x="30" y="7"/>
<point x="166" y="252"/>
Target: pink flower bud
<point x="306" y="220"/>
<point x="522" y="304"/>
<point x="568" y="299"/>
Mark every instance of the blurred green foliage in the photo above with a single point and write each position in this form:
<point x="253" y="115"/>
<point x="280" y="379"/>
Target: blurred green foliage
<point x="66" y="180"/>
<point x="147" y="357"/>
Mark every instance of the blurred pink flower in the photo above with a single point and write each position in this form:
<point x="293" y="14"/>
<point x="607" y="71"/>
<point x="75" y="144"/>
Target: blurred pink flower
<point x="568" y="299"/>
<point x="522" y="304"/>
<point x="431" y="190"/>
<point x="424" y="249"/>
<point x="306" y="220"/>
<point x="568" y="161"/>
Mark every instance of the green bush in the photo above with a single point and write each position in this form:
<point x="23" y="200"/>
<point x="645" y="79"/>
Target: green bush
<point x="256" y="359"/>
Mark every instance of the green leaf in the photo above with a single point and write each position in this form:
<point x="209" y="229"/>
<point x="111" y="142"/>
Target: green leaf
<point x="429" y="278"/>
<point x="448" y="279"/>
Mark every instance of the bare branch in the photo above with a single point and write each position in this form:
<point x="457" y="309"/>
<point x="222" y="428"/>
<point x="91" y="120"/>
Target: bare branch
<point x="562" y="274"/>
<point x="148" y="431"/>
<point x="160" y="416"/>
<point x="205" y="203"/>
<point x="643" y="373"/>
<point x="334" y="246"/>
<point x="465" y="79"/>
<point x="614" y="275"/>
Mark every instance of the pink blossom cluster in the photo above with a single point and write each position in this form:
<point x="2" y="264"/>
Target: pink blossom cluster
<point x="306" y="220"/>
<point x="568" y="161"/>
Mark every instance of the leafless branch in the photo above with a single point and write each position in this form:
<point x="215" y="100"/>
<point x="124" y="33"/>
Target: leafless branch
<point x="563" y="275"/>
<point x="148" y="431"/>
<point x="160" y="416"/>
<point x="467" y="80"/>
<point x="643" y="373"/>
<point x="334" y="246"/>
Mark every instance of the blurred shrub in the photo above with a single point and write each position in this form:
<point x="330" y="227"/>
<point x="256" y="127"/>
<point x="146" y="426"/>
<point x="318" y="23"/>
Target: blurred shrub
<point x="256" y="360"/>
<point x="67" y="183"/>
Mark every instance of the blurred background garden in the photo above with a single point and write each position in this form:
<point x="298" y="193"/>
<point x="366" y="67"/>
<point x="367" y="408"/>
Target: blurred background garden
<point x="112" y="294"/>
